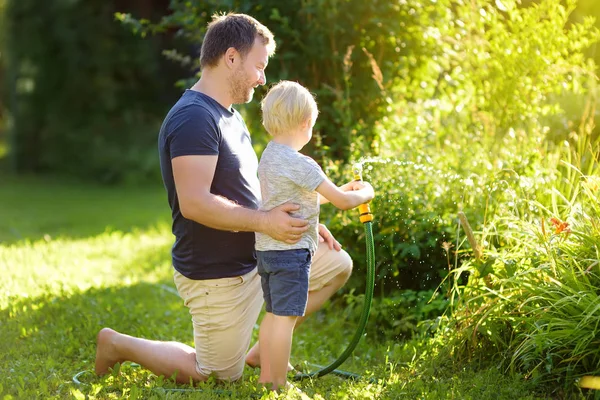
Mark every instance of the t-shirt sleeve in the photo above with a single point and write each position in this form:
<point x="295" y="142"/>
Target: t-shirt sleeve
<point x="193" y="131"/>
<point x="306" y="173"/>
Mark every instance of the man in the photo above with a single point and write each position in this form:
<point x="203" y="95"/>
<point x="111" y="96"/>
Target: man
<point x="209" y="170"/>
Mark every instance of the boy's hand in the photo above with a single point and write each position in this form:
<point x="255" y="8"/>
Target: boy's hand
<point x="368" y="190"/>
<point x="352" y="185"/>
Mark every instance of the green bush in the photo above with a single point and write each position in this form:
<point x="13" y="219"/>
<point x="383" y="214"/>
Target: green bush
<point x="469" y="121"/>
<point x="399" y="316"/>
<point x="87" y="93"/>
<point x="341" y="50"/>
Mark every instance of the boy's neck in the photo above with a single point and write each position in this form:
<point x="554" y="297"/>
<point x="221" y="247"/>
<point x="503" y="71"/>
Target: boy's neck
<point x="290" y="140"/>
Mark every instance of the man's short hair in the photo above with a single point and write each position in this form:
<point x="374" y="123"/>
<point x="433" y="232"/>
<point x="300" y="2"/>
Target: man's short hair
<point x="286" y="107"/>
<point x="233" y="30"/>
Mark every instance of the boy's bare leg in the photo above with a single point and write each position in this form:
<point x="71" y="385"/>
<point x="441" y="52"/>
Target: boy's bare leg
<point x="265" y="335"/>
<point x="316" y="299"/>
<point x="162" y="358"/>
<point x="278" y="344"/>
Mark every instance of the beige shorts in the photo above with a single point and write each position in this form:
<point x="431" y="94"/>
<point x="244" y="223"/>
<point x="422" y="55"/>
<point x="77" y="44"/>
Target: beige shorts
<point x="224" y="312"/>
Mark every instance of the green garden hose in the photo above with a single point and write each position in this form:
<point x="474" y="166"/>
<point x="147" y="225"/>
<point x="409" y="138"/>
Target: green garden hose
<point x="366" y="217"/>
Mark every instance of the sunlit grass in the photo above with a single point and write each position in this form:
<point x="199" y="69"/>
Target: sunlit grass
<point x="46" y="207"/>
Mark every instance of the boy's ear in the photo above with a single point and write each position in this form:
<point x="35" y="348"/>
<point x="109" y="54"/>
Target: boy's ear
<point x="307" y="123"/>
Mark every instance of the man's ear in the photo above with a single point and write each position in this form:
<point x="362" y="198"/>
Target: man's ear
<point x="230" y="57"/>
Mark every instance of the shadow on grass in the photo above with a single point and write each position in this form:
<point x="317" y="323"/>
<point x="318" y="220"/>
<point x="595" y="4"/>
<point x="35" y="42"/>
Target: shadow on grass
<point x="45" y="341"/>
<point x="38" y="207"/>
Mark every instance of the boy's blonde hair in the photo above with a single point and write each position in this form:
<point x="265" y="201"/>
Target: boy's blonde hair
<point x="286" y="107"/>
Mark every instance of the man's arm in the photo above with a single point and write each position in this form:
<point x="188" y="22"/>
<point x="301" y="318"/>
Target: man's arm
<point x="193" y="177"/>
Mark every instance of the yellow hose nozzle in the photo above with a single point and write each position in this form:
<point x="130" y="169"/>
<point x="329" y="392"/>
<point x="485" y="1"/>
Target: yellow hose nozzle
<point x="365" y="214"/>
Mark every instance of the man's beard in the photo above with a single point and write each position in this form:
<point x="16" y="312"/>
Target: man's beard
<point x="239" y="89"/>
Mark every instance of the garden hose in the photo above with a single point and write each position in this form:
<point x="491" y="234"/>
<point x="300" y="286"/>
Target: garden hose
<point x="366" y="217"/>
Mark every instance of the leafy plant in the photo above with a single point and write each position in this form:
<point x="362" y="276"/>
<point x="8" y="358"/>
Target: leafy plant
<point x="536" y="300"/>
<point x="467" y="128"/>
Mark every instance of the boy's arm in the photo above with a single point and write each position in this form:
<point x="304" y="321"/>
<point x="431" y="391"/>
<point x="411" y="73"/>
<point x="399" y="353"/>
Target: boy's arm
<point x="345" y="200"/>
<point x="193" y="177"/>
<point x="352" y="185"/>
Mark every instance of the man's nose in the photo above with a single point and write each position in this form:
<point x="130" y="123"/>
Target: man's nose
<point x="263" y="79"/>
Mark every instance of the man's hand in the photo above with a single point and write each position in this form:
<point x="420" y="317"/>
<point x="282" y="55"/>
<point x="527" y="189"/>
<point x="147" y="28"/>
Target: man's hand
<point x="326" y="236"/>
<point x="281" y="226"/>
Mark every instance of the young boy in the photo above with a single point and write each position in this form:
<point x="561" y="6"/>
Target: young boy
<point x="289" y="114"/>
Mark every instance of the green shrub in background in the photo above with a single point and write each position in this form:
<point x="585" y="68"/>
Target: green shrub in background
<point x="333" y="47"/>
<point x="400" y="316"/>
<point x="485" y="70"/>
<point x="469" y="126"/>
<point x="3" y="87"/>
<point x="87" y="93"/>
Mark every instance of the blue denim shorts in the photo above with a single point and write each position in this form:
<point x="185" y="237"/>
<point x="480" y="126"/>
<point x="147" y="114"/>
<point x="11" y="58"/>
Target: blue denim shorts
<point x="284" y="278"/>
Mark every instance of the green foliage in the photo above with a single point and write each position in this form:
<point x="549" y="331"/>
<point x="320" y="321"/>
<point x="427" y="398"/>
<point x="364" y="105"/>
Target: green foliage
<point x="413" y="217"/>
<point x="399" y="316"/>
<point x="472" y="110"/>
<point x="341" y="50"/>
<point x="3" y="86"/>
<point x="86" y="91"/>
<point x="484" y="71"/>
<point x="534" y="295"/>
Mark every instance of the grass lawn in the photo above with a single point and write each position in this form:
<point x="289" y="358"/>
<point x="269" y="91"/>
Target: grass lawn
<point x="76" y="257"/>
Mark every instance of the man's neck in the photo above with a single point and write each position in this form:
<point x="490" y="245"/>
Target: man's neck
<point x="212" y="85"/>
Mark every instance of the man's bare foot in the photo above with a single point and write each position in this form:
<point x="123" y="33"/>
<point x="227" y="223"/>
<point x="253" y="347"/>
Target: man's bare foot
<point x="106" y="353"/>
<point x="253" y="358"/>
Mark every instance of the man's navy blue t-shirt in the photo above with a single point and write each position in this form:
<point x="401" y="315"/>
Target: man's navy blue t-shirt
<point x="198" y="125"/>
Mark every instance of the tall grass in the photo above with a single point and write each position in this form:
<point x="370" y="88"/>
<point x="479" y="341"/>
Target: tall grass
<point x="534" y="297"/>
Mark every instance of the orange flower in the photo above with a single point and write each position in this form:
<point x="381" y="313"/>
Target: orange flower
<point x="560" y="226"/>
